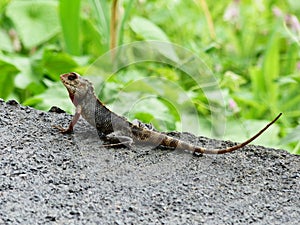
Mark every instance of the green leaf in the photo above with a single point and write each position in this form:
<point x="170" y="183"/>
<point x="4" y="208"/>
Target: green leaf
<point x="270" y="70"/>
<point x="295" y="5"/>
<point x="144" y="116"/>
<point x="7" y="83"/>
<point x="147" y="30"/>
<point x="5" y="43"/>
<point x="26" y="75"/>
<point x="8" y="73"/>
<point x="232" y="81"/>
<point x="292" y="136"/>
<point x="35" y="21"/>
<point x="36" y="88"/>
<point x="291" y="60"/>
<point x="56" y="63"/>
<point x="241" y="130"/>
<point x="92" y="40"/>
<point x="33" y="101"/>
<point x="158" y="114"/>
<point x="127" y="11"/>
<point x="70" y="19"/>
<point x="55" y="95"/>
<point x="151" y="32"/>
<point x="257" y="82"/>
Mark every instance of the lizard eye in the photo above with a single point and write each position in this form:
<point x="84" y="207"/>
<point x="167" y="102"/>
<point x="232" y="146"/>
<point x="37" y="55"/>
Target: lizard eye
<point x="72" y="76"/>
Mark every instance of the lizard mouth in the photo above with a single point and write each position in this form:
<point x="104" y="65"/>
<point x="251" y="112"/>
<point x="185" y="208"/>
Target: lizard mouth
<point x="63" y="77"/>
<point x="68" y="78"/>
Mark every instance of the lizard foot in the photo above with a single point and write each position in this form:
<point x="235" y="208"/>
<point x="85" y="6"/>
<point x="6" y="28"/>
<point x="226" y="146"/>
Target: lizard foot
<point x="140" y="124"/>
<point x="197" y="154"/>
<point x="115" y="138"/>
<point x="63" y="130"/>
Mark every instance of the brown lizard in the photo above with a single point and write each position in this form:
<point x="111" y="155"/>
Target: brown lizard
<point x="118" y="129"/>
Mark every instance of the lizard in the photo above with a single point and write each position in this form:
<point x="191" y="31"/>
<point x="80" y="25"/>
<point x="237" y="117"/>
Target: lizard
<point x="115" y="128"/>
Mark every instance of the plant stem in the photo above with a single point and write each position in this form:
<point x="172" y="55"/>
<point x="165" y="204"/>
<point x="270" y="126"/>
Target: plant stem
<point x="113" y="24"/>
<point x="209" y="20"/>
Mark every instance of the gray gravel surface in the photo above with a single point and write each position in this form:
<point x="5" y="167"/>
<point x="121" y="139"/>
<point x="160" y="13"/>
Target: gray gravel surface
<point x="50" y="178"/>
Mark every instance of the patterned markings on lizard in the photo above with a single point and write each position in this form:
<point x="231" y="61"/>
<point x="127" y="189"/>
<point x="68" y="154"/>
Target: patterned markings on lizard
<point x="118" y="129"/>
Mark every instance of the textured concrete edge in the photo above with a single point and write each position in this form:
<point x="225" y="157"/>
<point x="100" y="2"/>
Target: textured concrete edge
<point x="55" y="109"/>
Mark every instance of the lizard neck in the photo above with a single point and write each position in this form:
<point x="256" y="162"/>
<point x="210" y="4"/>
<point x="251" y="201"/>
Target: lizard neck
<point x="89" y="94"/>
<point x="73" y="99"/>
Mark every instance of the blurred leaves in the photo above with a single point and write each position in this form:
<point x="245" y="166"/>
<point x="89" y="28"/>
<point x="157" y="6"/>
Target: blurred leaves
<point x="8" y="71"/>
<point x="56" y="63"/>
<point x="293" y="137"/>
<point x="35" y="21"/>
<point x="5" y="43"/>
<point x="232" y="81"/>
<point x="59" y="97"/>
<point x="147" y="30"/>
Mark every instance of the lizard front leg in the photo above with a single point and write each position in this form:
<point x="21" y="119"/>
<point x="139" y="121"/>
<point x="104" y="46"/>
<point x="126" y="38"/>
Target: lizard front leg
<point x="72" y="123"/>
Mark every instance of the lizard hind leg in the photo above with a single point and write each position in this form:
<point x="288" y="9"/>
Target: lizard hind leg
<point x="117" y="139"/>
<point x="142" y="125"/>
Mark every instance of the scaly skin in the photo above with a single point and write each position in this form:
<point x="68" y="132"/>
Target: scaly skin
<point x="117" y="128"/>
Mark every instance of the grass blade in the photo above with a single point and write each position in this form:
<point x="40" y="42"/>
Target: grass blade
<point x="70" y="19"/>
<point x="102" y="16"/>
<point x="124" y="19"/>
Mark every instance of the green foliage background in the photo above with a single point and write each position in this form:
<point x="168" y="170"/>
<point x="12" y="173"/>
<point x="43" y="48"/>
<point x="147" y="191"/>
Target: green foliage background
<point x="251" y="46"/>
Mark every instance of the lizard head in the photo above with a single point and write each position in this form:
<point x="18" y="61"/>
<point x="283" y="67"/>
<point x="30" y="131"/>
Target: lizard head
<point x="77" y="86"/>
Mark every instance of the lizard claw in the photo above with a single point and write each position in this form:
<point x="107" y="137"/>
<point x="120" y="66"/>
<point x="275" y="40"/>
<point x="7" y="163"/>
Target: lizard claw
<point x="63" y="130"/>
<point x="197" y="154"/>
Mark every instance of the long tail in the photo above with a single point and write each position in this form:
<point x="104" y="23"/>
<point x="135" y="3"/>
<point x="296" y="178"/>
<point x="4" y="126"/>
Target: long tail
<point x="233" y="148"/>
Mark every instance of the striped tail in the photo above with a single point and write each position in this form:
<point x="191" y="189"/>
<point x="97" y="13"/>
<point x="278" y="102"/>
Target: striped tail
<point x="172" y="142"/>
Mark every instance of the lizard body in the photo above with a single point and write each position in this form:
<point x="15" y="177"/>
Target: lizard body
<point x="117" y="128"/>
